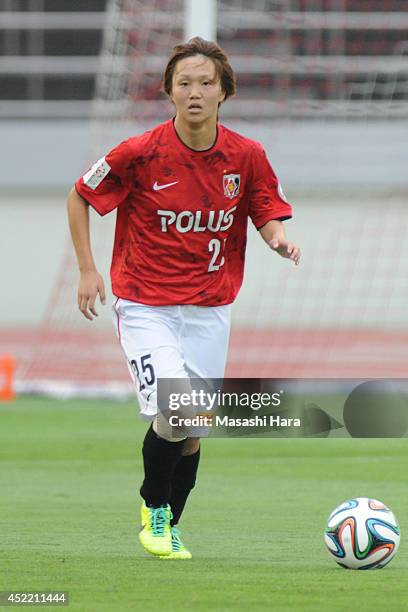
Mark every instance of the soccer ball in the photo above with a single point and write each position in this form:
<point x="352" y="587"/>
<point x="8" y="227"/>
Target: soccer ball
<point x="362" y="533"/>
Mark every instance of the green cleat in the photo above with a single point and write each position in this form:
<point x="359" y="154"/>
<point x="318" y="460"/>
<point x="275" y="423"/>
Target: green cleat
<point x="178" y="550"/>
<point x="155" y="534"/>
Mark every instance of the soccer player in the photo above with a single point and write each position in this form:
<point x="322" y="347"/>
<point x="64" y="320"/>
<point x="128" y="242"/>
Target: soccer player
<point x="183" y="192"/>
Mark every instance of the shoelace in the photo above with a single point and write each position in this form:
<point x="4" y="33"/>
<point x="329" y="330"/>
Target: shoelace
<point x="159" y="520"/>
<point x="175" y="539"/>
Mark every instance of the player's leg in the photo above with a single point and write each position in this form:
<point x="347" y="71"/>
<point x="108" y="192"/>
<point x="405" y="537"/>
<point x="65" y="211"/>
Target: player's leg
<point x="182" y="483"/>
<point x="205" y="338"/>
<point x="184" y="477"/>
<point x="149" y="337"/>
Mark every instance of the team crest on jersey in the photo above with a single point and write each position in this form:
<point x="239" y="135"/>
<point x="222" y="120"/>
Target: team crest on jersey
<point x="231" y="184"/>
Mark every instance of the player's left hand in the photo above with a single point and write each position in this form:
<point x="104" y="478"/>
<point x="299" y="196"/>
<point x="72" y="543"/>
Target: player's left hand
<point x="286" y="249"/>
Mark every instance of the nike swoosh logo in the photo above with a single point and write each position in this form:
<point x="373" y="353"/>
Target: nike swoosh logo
<point x="157" y="187"/>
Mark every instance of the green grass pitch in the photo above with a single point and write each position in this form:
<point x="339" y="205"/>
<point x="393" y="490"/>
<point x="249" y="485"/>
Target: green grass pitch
<point x="69" y="507"/>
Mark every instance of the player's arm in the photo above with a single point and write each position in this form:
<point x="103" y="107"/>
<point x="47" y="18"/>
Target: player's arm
<point x="91" y="282"/>
<point x="273" y="232"/>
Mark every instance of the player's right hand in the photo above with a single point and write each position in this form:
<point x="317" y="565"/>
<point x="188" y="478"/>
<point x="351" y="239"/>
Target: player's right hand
<point x="90" y="284"/>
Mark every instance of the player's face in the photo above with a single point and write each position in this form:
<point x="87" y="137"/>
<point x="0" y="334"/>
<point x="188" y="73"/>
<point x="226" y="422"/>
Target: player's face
<point x="196" y="89"/>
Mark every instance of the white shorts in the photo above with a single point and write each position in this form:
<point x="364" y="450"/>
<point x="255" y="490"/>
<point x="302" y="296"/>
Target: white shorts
<point x="170" y="342"/>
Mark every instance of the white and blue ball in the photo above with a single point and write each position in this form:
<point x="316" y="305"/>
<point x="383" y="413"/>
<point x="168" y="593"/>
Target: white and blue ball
<point x="362" y="533"/>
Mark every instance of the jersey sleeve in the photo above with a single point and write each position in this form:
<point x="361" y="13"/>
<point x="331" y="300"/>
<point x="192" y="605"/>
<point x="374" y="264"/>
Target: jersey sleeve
<point x="108" y="182"/>
<point x="266" y="198"/>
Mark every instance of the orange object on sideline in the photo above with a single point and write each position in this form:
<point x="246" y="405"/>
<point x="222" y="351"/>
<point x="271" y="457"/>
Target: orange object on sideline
<point x="7" y="369"/>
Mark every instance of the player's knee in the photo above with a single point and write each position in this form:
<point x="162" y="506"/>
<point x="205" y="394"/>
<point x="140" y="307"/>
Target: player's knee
<point x="162" y="428"/>
<point x="190" y="446"/>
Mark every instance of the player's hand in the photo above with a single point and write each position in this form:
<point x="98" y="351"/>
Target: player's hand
<point x="286" y="249"/>
<point x="90" y="284"/>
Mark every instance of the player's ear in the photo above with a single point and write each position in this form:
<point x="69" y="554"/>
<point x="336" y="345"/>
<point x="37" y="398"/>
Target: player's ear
<point x="222" y="97"/>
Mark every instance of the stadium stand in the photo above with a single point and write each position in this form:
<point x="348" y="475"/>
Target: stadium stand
<point x="293" y="58"/>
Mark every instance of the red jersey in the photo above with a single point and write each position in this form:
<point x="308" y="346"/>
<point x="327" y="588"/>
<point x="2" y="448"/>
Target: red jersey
<point x="182" y="214"/>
